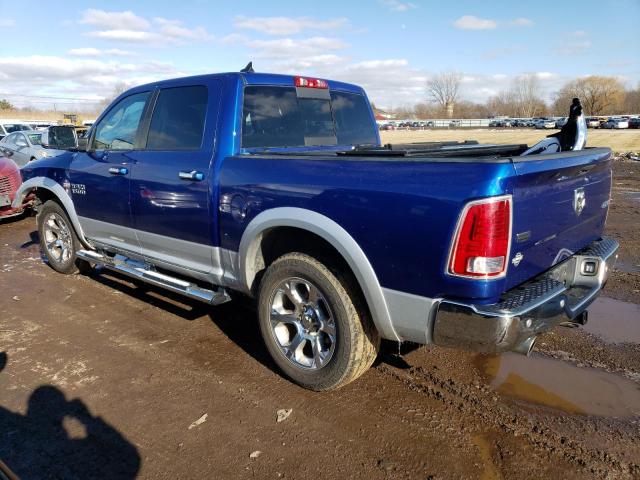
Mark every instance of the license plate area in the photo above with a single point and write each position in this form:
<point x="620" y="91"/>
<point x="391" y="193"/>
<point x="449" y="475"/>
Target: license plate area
<point x="4" y="200"/>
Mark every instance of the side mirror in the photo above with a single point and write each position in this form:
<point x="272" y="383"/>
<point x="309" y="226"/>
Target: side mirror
<point x="60" y="137"/>
<point x="83" y="144"/>
<point x="7" y="153"/>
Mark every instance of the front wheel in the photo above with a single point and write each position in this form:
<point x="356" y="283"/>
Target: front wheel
<point x="58" y="239"/>
<point x="314" y="323"/>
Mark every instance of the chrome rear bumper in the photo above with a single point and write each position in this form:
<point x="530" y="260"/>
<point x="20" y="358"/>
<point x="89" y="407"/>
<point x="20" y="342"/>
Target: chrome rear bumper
<point x="561" y="294"/>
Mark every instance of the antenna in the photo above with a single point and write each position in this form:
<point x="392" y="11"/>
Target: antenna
<point x="248" y="68"/>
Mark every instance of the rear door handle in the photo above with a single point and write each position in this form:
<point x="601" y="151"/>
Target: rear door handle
<point x="118" y="170"/>
<point x="193" y="175"/>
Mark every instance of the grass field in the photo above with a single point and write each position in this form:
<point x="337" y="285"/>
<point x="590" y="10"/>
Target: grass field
<point x="617" y="140"/>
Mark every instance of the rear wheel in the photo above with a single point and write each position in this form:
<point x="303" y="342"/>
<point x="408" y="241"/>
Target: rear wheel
<point x="314" y="323"/>
<point x="58" y="239"/>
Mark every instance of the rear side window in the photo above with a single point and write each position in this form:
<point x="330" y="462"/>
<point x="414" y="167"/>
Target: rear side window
<point x="118" y="128"/>
<point x="353" y="119"/>
<point x="178" y="119"/>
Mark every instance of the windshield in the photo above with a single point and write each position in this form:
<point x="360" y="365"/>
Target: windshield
<point x="15" y="127"/>
<point x="279" y="117"/>
<point x="35" y="138"/>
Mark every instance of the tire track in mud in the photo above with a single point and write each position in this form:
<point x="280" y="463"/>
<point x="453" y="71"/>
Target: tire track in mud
<point x="485" y="405"/>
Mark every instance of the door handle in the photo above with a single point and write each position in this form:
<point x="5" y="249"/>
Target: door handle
<point x="118" y="170"/>
<point x="193" y="175"/>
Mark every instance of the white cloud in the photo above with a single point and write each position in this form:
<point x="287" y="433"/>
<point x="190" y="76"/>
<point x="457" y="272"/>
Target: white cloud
<point x="75" y="77"/>
<point x="283" y="26"/>
<point x="572" y="48"/>
<point x="128" y="27"/>
<point x="7" y="22"/>
<point x="96" y="52"/>
<point x="114" y="20"/>
<point x="522" y="22"/>
<point x="579" y="33"/>
<point x="293" y="48"/>
<point x="470" y="22"/>
<point x="397" y="5"/>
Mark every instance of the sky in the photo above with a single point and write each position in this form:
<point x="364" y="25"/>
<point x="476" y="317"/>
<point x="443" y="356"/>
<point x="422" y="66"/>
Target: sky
<point x="72" y="54"/>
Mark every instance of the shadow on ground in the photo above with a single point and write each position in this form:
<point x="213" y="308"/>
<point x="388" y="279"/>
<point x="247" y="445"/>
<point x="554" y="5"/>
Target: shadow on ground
<point x="60" y="438"/>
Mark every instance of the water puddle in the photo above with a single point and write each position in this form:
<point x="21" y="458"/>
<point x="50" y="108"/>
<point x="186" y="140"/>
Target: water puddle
<point x="614" y="321"/>
<point x="627" y="267"/>
<point x="560" y="385"/>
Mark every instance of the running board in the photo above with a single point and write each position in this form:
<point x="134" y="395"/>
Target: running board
<point x="146" y="273"/>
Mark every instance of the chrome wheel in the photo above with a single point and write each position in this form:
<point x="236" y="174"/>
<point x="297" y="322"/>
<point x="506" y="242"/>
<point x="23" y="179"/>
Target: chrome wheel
<point x="57" y="238"/>
<point x="302" y="324"/>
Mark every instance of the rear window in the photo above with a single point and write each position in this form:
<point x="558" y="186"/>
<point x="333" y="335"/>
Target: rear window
<point x="278" y="117"/>
<point x="178" y="119"/>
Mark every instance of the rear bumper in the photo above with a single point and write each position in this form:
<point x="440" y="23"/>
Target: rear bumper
<point x="562" y="294"/>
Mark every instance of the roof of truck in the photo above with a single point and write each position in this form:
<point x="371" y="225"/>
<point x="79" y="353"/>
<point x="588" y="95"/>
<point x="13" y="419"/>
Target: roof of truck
<point x="256" y="78"/>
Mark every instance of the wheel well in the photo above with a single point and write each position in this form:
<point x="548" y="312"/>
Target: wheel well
<point x="44" y="194"/>
<point x="275" y="242"/>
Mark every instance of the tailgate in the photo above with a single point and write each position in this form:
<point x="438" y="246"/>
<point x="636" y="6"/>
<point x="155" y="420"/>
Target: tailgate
<point x="560" y="204"/>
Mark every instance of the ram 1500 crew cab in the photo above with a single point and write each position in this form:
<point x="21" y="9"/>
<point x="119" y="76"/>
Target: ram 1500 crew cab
<point x="278" y="187"/>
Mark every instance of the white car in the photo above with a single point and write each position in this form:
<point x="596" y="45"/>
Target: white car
<point x="616" y="123"/>
<point x="545" y="123"/>
<point x="10" y="126"/>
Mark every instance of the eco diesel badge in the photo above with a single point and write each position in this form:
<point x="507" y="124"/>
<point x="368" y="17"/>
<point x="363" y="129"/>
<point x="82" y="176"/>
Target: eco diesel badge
<point x="517" y="259"/>
<point x="579" y="200"/>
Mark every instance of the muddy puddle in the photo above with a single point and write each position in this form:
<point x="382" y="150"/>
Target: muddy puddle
<point x="553" y="383"/>
<point x="627" y="267"/>
<point x="614" y="321"/>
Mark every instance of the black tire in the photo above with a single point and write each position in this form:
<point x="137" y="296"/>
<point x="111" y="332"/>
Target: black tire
<point x="61" y="260"/>
<point x="356" y="340"/>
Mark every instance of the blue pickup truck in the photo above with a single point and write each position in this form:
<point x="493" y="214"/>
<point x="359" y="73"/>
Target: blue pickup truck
<point x="278" y="187"/>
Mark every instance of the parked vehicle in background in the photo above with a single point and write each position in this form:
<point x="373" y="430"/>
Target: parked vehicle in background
<point x="26" y="146"/>
<point x="39" y="125"/>
<point x="593" y="122"/>
<point x="454" y="123"/>
<point x="10" y="126"/>
<point x="544" y="123"/>
<point x="388" y="126"/>
<point x="10" y="181"/>
<point x="561" y="122"/>
<point x="616" y="123"/>
<point x="278" y="187"/>
<point x="634" y="122"/>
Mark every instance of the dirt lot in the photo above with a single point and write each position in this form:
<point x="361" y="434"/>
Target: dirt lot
<point x="617" y="140"/>
<point x="103" y="378"/>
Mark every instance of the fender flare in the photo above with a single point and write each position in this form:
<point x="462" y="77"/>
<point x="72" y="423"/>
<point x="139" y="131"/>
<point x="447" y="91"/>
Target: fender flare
<point x="56" y="189"/>
<point x="333" y="233"/>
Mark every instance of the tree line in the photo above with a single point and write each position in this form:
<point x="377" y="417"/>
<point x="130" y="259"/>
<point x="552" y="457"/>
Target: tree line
<point x="523" y="98"/>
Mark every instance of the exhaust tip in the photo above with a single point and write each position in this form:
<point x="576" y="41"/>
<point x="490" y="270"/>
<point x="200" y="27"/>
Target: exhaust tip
<point x="525" y="347"/>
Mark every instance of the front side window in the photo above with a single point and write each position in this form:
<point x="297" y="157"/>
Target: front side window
<point x="118" y="129"/>
<point x="178" y="119"/>
<point x="16" y="127"/>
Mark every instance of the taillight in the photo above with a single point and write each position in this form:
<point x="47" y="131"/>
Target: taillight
<point x="311" y="82"/>
<point x="482" y="240"/>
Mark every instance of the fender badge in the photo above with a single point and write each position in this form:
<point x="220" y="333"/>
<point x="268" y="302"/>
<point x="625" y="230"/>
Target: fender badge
<point x="579" y="200"/>
<point x="517" y="259"/>
<point x="66" y="185"/>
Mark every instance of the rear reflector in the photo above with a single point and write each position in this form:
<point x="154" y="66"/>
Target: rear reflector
<point x="311" y="82"/>
<point x="482" y="240"/>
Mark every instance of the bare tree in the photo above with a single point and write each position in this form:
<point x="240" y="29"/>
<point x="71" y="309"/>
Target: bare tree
<point x="443" y="89"/>
<point x="599" y="95"/>
<point x="526" y="93"/>
<point x="118" y="88"/>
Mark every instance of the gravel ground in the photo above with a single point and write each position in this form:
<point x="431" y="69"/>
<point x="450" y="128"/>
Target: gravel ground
<point x="104" y="378"/>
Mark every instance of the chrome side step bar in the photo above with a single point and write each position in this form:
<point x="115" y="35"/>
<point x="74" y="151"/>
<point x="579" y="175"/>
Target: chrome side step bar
<point x="146" y="273"/>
